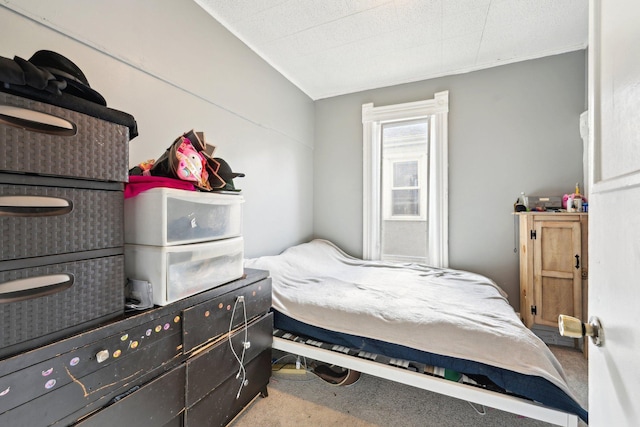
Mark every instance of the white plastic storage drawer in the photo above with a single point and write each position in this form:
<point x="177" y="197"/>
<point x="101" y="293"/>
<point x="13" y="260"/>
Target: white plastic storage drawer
<point x="176" y="272"/>
<point x="168" y="216"/>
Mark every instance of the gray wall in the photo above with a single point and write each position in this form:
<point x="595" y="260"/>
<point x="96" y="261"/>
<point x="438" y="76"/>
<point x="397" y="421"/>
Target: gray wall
<point x="511" y="128"/>
<point x="175" y="68"/>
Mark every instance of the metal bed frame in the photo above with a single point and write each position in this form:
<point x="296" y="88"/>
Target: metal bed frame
<point x="476" y="395"/>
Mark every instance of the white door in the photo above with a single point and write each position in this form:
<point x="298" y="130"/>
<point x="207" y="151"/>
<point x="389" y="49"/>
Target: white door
<point x="614" y="211"/>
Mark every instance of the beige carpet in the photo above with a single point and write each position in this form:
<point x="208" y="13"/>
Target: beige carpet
<point x="302" y="400"/>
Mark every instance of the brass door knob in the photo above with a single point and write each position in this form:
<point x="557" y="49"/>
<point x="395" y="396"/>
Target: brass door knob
<point x="574" y="328"/>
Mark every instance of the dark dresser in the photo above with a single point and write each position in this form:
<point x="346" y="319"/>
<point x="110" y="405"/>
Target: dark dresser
<point x="195" y="362"/>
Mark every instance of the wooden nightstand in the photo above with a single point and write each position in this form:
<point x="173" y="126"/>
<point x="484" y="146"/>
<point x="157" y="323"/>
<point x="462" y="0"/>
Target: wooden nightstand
<point x="553" y="267"/>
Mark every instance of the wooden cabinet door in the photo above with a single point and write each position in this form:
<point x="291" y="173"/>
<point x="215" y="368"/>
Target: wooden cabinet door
<point x="557" y="277"/>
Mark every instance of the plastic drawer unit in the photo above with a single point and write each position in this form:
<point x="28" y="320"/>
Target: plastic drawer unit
<point x="61" y="258"/>
<point x="176" y="272"/>
<point x="168" y="216"/>
<point x="62" y="176"/>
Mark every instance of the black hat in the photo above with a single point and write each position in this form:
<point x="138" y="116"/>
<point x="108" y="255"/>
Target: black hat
<point x="225" y="172"/>
<point x="64" y="69"/>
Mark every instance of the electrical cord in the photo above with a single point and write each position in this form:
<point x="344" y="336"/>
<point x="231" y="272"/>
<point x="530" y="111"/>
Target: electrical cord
<point x="482" y="411"/>
<point x="303" y="363"/>
<point x="245" y="343"/>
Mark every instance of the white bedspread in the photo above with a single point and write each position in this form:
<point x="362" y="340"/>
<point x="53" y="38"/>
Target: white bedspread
<point x="444" y="311"/>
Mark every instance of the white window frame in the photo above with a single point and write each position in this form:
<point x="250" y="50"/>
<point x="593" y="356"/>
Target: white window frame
<point x="437" y="110"/>
<point x="421" y="187"/>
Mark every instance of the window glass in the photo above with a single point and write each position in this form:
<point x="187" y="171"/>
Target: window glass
<point x="404" y="147"/>
<point x="404" y="168"/>
<point x="405" y="174"/>
<point x="406" y="202"/>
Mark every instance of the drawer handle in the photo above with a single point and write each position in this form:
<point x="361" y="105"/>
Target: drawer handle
<point x="34" y="206"/>
<point x="34" y="287"/>
<point x="36" y="121"/>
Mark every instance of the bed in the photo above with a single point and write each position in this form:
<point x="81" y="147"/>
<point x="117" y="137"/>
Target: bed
<point x="334" y="308"/>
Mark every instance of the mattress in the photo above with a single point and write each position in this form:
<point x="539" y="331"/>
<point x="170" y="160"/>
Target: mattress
<point x="443" y="317"/>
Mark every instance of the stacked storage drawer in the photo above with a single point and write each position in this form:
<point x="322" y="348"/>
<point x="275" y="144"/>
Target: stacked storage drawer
<point x="61" y="219"/>
<point x="183" y="242"/>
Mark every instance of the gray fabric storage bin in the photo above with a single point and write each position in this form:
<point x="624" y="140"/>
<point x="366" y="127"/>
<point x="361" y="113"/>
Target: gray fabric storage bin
<point x="95" y="294"/>
<point x="39" y="220"/>
<point x="47" y="140"/>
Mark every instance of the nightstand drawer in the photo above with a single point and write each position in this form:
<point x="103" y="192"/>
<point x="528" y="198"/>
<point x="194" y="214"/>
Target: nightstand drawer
<point x="156" y="404"/>
<point x="212" y="318"/>
<point x="220" y="406"/>
<point x="206" y="371"/>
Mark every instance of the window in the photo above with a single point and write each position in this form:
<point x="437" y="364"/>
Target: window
<point x="404" y="170"/>
<point x="405" y="190"/>
<point x="405" y="181"/>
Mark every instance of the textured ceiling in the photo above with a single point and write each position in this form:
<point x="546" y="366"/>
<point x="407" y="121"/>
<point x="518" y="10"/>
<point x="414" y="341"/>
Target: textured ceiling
<point x="333" y="47"/>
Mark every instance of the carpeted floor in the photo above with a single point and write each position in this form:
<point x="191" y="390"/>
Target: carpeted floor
<point x="303" y="400"/>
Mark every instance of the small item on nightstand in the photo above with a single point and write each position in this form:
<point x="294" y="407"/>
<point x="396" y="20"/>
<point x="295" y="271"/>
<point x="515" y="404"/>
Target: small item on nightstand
<point x="521" y="203"/>
<point x="577" y="204"/>
<point x="524" y="200"/>
<point x="570" y="206"/>
<point x="577" y="199"/>
<point x="574" y="202"/>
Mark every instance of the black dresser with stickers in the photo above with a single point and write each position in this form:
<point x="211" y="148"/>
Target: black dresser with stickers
<point x="195" y="362"/>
